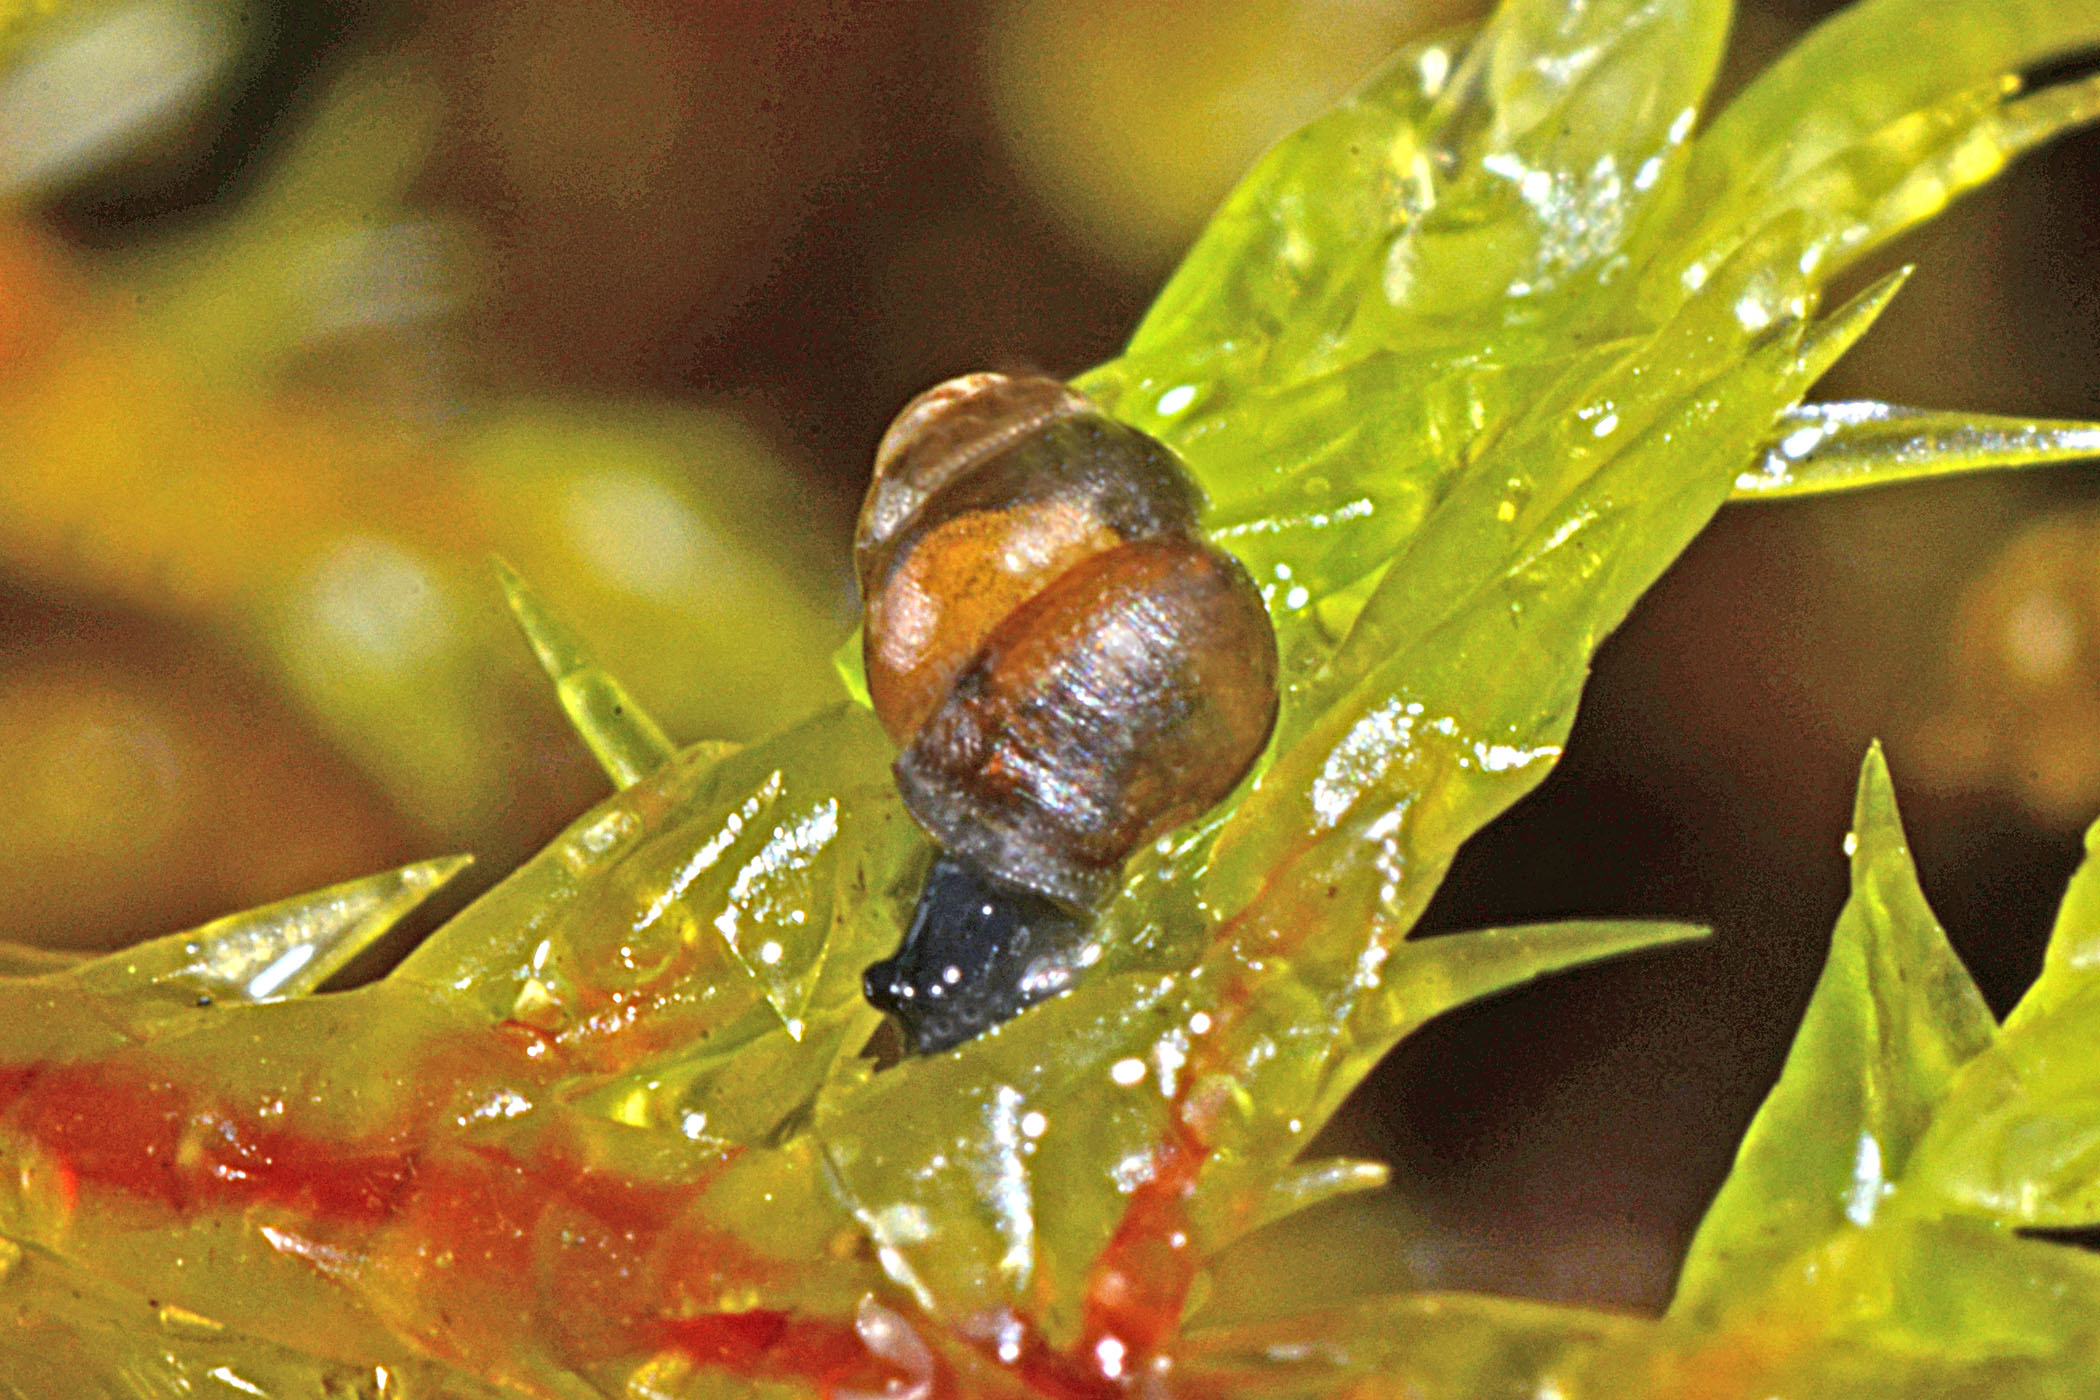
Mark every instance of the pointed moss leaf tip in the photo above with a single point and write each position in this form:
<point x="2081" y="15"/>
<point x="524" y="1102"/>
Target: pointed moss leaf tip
<point x="627" y="742"/>
<point x="1828" y="339"/>
<point x="1818" y="448"/>
<point x="286" y="949"/>
<point x="2018" y="1139"/>
<point x="1867" y="139"/>
<point x="1419" y="981"/>
<point x="1307" y="1184"/>
<point x="1434" y="975"/>
<point x="2071" y="965"/>
<point x="1892" y="1020"/>
<point x="1425" y="978"/>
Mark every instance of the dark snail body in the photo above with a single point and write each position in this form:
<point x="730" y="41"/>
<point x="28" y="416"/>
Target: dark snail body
<point x="1069" y="668"/>
<point x="978" y="952"/>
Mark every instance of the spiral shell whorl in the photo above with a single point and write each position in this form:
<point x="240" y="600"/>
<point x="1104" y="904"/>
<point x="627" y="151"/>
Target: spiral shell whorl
<point x="1069" y="668"/>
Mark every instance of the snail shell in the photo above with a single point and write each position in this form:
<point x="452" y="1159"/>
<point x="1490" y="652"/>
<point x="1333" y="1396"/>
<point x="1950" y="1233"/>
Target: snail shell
<point x="1069" y="669"/>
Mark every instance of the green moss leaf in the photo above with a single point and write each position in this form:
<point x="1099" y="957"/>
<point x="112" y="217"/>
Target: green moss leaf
<point x="1484" y="185"/>
<point x="286" y="949"/>
<point x="72" y="1333"/>
<point x="1902" y="1309"/>
<point x="1463" y="367"/>
<point x="625" y="739"/>
<point x="918" y="1151"/>
<point x="1892" y="1020"/>
<point x="1866" y="67"/>
<point x="1822" y="447"/>
<point x="1445" y="1345"/>
<point x="738" y="897"/>
<point x="1871" y="125"/>
<point x="2071" y="963"/>
<point x="2018" y="1139"/>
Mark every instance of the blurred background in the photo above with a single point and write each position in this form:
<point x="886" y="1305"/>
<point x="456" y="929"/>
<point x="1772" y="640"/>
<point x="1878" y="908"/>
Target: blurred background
<point x="306" y="306"/>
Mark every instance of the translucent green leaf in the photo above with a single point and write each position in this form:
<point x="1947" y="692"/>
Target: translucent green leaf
<point x="1596" y="455"/>
<point x="1984" y="1305"/>
<point x="743" y="1081"/>
<point x="1325" y="450"/>
<point x="64" y="1331"/>
<point x="1311" y="1184"/>
<point x="1416" y="982"/>
<point x="1485" y="181"/>
<point x="1893" y="1018"/>
<point x="1868" y="192"/>
<point x="1822" y="447"/>
<point x="716" y="884"/>
<point x="2018" y="1139"/>
<point x="914" y="1152"/>
<point x="989" y="1177"/>
<point x="1827" y="340"/>
<point x="628" y="744"/>
<point x="489" y="955"/>
<point x="1352" y="1244"/>
<point x="1903" y="1309"/>
<point x="280" y="950"/>
<point x="1867" y="66"/>
<point x="1316" y="484"/>
<point x="1530" y="557"/>
<point x="1870" y="125"/>
<point x="1426" y="1345"/>
<point x="2071" y="962"/>
<point x="1282" y="244"/>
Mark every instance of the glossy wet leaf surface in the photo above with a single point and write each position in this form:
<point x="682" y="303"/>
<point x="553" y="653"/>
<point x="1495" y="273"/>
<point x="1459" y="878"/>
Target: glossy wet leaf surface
<point x="1893" y="1020"/>
<point x="1462" y="367"/>
<point x="1866" y="1242"/>
<point x="1821" y="447"/>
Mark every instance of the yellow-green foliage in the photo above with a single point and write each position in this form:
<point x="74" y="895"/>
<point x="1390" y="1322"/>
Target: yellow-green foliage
<point x="1463" y="366"/>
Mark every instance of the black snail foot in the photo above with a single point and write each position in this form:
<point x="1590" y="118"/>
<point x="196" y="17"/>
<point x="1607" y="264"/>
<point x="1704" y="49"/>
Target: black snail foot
<point x="979" y="952"/>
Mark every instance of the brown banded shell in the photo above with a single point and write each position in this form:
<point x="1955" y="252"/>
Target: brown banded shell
<point x="1123" y="700"/>
<point x="941" y="435"/>
<point x="1069" y="668"/>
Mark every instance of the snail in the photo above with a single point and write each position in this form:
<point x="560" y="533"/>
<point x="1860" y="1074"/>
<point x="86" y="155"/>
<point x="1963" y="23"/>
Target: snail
<point x="1068" y="668"/>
